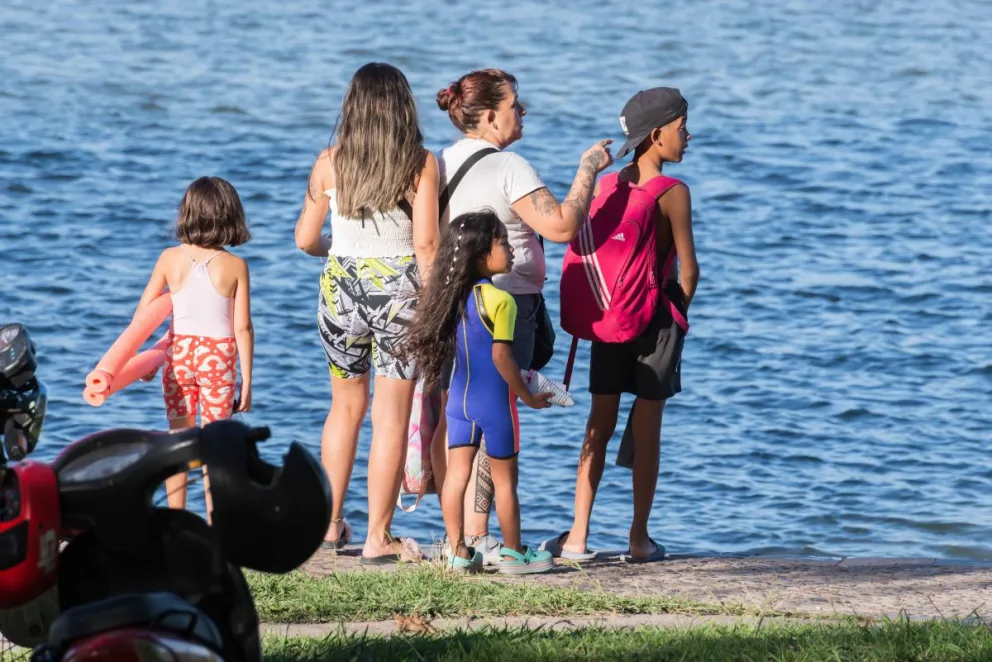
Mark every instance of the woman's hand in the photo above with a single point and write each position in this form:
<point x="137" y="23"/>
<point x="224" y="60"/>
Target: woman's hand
<point x="598" y="157"/>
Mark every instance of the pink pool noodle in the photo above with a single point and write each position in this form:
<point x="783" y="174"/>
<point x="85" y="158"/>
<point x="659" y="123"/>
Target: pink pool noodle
<point x="94" y="398"/>
<point x="125" y="347"/>
<point x="133" y="370"/>
<point x="140" y="365"/>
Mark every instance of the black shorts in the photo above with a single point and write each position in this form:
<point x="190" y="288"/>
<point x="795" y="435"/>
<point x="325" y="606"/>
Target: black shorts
<point x="650" y="366"/>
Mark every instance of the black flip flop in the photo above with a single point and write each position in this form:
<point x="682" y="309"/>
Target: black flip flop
<point x="342" y="540"/>
<point x="334" y="545"/>
<point x="657" y="555"/>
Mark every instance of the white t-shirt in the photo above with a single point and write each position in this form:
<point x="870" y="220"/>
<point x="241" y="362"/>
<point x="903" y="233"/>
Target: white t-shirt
<point x="497" y="181"/>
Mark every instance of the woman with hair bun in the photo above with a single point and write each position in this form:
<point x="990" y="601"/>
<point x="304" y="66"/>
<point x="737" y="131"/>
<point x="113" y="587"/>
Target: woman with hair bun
<point x="478" y="173"/>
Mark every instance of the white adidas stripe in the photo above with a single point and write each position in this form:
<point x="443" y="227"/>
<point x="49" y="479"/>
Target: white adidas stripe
<point x="587" y="265"/>
<point x="599" y="271"/>
<point x="596" y="279"/>
<point x="585" y="250"/>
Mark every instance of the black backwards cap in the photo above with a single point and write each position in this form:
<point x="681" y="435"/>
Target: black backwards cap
<point x="646" y="111"/>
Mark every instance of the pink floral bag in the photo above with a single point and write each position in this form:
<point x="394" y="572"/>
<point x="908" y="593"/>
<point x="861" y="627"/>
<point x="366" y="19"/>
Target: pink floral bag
<point x="417" y="477"/>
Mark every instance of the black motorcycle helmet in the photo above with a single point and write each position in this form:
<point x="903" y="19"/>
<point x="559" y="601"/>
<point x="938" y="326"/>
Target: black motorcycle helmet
<point x="23" y="397"/>
<point x="266" y="518"/>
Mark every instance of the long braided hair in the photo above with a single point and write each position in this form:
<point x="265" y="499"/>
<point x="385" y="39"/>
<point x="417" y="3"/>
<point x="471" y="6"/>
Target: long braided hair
<point x="465" y="244"/>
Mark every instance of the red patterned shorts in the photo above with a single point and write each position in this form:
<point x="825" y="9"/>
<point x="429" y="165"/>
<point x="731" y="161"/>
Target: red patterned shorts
<point x="200" y="370"/>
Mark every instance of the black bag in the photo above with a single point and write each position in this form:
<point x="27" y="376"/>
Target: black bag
<point x="544" y="335"/>
<point x="544" y="338"/>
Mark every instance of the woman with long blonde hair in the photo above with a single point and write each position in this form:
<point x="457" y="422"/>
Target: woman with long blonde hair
<point x="381" y="188"/>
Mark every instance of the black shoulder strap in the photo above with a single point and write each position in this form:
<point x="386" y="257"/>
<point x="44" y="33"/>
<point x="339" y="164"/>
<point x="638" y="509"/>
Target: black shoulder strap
<point x="442" y="201"/>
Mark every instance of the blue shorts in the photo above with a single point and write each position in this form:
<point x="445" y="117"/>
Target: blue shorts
<point x="499" y="423"/>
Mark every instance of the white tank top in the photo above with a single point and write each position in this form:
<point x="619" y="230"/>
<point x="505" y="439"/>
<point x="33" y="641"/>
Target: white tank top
<point x="381" y="234"/>
<point x="198" y="309"/>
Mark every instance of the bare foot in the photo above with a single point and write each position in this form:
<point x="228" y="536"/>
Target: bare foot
<point x="564" y="543"/>
<point x="335" y="531"/>
<point x="644" y="548"/>
<point x="407" y="548"/>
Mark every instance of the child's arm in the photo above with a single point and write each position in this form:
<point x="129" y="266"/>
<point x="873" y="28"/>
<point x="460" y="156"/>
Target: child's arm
<point x="156" y="283"/>
<point x="244" y="334"/>
<point x="677" y="205"/>
<point x="315" y="206"/>
<point x="502" y="310"/>
<point x="510" y="371"/>
<point x="426" y="231"/>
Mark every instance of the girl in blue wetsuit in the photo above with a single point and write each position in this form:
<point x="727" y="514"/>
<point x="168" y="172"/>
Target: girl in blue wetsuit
<point x="462" y="314"/>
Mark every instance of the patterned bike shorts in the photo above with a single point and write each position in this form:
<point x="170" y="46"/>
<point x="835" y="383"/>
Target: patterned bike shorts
<point x="366" y="305"/>
<point x="200" y="371"/>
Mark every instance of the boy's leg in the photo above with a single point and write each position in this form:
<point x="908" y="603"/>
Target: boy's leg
<point x="647" y="449"/>
<point x="592" y="458"/>
<point x="657" y="379"/>
<point x="611" y="373"/>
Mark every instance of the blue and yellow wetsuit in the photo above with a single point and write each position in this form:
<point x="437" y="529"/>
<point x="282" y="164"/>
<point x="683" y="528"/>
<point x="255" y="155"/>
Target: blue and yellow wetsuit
<point x="479" y="400"/>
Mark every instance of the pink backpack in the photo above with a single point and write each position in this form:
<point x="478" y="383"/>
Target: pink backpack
<point x="609" y="281"/>
<point x="417" y="476"/>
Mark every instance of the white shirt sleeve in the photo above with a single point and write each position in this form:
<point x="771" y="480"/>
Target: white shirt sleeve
<point x="519" y="177"/>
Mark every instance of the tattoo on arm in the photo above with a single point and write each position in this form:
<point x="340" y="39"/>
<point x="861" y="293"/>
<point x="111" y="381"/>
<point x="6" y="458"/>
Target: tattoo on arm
<point x="581" y="194"/>
<point x="484" y="485"/>
<point x="543" y="201"/>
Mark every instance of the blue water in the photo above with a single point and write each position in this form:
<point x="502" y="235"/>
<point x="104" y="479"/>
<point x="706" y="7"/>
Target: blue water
<point x="839" y="369"/>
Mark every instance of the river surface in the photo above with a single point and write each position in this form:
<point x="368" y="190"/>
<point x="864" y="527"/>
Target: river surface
<point x="838" y="374"/>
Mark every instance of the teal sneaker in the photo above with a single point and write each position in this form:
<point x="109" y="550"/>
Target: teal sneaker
<point x="529" y="563"/>
<point x="458" y="564"/>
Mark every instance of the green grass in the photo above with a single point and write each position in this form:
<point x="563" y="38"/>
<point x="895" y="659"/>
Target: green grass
<point x="429" y="591"/>
<point x="887" y="642"/>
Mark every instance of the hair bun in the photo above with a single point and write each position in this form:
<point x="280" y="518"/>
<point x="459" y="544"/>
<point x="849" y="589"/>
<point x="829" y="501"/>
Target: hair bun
<point x="446" y="97"/>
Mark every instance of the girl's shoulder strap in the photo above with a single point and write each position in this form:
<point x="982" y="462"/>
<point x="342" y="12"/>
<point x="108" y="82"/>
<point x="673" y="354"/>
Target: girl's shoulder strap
<point x="188" y="254"/>
<point x="210" y="259"/>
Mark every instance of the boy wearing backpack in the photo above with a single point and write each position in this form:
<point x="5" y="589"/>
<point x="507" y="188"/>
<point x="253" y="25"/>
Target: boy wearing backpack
<point x="621" y="289"/>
